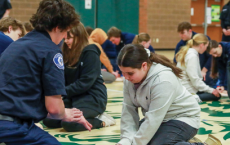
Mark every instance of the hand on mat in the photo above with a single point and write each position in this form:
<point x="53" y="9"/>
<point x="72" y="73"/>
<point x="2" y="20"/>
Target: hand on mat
<point x="84" y="122"/>
<point x="115" y="73"/>
<point x="72" y="115"/>
<point x="118" y="144"/>
<point x="220" y="89"/>
<point x="216" y="93"/>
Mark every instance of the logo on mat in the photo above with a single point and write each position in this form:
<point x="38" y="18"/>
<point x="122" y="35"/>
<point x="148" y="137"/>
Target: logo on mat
<point x="58" y="60"/>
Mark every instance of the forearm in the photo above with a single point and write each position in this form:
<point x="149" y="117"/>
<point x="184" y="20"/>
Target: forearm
<point x="55" y="107"/>
<point x="7" y="13"/>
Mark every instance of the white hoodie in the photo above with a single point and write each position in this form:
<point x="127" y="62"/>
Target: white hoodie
<point x="162" y="98"/>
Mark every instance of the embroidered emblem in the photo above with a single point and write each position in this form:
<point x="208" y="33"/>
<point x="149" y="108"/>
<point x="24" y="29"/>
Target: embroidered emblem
<point x="58" y="61"/>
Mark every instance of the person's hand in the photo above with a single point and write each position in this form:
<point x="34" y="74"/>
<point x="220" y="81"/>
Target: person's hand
<point x="103" y="69"/>
<point x="85" y="123"/>
<point x="116" y="74"/>
<point x="215" y="92"/>
<point x="203" y="73"/>
<point x="220" y="89"/>
<point x="72" y="115"/>
<point x="227" y="32"/>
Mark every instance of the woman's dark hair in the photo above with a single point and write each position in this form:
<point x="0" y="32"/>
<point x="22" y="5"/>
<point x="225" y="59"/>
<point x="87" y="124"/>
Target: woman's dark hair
<point x="54" y="13"/>
<point x="133" y="55"/>
<point x="214" y="69"/>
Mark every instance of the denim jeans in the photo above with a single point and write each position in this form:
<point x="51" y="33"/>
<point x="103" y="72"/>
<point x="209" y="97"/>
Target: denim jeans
<point x="173" y="132"/>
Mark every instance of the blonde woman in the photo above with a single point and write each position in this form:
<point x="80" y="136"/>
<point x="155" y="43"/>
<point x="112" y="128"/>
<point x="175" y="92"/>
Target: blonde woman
<point x="188" y="61"/>
<point x="143" y="39"/>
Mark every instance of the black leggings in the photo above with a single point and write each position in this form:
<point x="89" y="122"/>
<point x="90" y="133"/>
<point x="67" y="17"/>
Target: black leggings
<point x="89" y="114"/>
<point x="207" y="96"/>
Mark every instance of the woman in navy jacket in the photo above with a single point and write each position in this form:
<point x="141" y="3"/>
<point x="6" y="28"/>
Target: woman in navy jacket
<point x="84" y="84"/>
<point x="220" y="63"/>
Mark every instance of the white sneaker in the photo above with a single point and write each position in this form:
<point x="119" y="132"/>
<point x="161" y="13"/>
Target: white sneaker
<point x="107" y="119"/>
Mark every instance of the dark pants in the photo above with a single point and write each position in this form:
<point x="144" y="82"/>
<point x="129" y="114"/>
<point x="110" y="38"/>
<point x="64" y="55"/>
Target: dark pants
<point x="228" y="78"/>
<point x="210" y="81"/>
<point x="207" y="96"/>
<point x="174" y="132"/>
<point x="24" y="133"/>
<point x="89" y="115"/>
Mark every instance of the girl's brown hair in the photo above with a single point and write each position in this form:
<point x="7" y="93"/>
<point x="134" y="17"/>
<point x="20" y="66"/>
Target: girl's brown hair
<point x="214" y="69"/>
<point x="140" y="38"/>
<point x="80" y="41"/>
<point x="133" y="55"/>
<point x="195" y="41"/>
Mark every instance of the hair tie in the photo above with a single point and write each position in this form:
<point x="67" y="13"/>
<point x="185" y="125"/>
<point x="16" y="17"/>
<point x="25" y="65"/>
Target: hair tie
<point x="147" y="51"/>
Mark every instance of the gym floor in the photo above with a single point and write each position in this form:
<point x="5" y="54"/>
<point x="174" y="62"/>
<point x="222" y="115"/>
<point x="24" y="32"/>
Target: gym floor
<point x="215" y="120"/>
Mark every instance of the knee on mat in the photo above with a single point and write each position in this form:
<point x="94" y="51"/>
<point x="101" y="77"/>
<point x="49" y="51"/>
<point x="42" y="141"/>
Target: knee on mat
<point x="50" y="123"/>
<point x="71" y="126"/>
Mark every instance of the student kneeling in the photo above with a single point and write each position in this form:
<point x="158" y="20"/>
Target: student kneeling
<point x="84" y="84"/>
<point x="172" y="114"/>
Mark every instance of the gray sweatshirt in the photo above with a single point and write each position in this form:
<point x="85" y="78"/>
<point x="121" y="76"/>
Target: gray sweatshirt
<point x="191" y="77"/>
<point x="162" y="98"/>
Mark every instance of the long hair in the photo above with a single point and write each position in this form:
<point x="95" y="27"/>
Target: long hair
<point x="133" y="55"/>
<point x="195" y="41"/>
<point x="214" y="69"/>
<point x="80" y="41"/>
<point x="140" y="38"/>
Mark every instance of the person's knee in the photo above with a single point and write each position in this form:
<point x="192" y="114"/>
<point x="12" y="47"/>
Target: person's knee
<point x="70" y="126"/>
<point x="51" y="123"/>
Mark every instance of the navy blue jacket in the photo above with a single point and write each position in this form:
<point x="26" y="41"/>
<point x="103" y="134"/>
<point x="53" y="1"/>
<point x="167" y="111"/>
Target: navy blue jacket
<point x="127" y="38"/>
<point x="30" y="69"/>
<point x="205" y="58"/>
<point x="222" y="63"/>
<point x="84" y="83"/>
<point x="5" y="41"/>
<point x="109" y="49"/>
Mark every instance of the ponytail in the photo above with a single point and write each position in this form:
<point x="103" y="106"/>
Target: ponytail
<point x="135" y="40"/>
<point x="196" y="41"/>
<point x="166" y="62"/>
<point x="180" y="56"/>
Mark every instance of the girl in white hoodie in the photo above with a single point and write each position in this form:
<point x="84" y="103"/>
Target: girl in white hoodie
<point x="188" y="61"/>
<point x="171" y="113"/>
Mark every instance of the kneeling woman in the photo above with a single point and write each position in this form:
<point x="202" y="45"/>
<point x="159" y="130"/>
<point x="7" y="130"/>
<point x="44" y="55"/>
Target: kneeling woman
<point x="188" y="61"/>
<point x="84" y="84"/>
<point x="171" y="113"/>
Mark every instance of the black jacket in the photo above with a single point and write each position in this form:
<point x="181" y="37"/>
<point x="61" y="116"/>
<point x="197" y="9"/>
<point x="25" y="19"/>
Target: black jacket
<point x="84" y="82"/>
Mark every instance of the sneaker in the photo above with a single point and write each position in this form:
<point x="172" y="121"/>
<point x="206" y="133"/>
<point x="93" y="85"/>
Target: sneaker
<point x="120" y="79"/>
<point x="107" y="119"/>
<point x="194" y="140"/>
<point x="212" y="140"/>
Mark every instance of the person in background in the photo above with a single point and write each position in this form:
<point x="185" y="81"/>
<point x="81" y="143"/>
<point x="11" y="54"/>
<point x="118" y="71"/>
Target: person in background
<point x="143" y="39"/>
<point x="5" y="7"/>
<point x="220" y="64"/>
<point x="188" y="60"/>
<point x="100" y="37"/>
<point x="32" y="78"/>
<point x="225" y="22"/>
<point x="120" y="39"/>
<point x="89" y="30"/>
<point x="28" y="27"/>
<point x="84" y="84"/>
<point x="10" y="31"/>
<point x="185" y="32"/>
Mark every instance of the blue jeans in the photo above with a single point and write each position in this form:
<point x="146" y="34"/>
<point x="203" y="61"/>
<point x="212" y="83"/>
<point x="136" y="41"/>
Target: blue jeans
<point x="174" y="132"/>
<point x="24" y="133"/>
